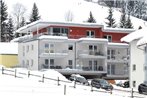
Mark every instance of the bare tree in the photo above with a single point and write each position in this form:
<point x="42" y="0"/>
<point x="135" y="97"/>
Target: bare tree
<point x="18" y="12"/>
<point x="69" y="16"/>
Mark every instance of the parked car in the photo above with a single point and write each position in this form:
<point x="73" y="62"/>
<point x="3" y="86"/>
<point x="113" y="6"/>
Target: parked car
<point x="101" y="83"/>
<point x="79" y="78"/>
<point x="142" y="88"/>
<point x="126" y="84"/>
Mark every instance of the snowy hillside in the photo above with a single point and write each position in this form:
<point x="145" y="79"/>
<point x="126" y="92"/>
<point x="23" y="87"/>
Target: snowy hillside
<point x="55" y="10"/>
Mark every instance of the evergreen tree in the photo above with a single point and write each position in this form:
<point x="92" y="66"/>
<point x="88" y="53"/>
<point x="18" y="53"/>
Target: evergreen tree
<point x="111" y="20"/>
<point x="91" y="18"/>
<point x="129" y="23"/>
<point x="123" y="19"/>
<point x="4" y="15"/>
<point x="35" y="14"/>
<point x="23" y="22"/>
<point x="10" y="29"/>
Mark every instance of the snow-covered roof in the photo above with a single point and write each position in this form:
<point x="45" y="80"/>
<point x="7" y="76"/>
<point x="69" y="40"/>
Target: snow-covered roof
<point x="92" y="40"/>
<point x="135" y="35"/>
<point x="53" y="37"/>
<point x="118" y="30"/>
<point x="119" y="45"/>
<point x="8" y="48"/>
<point x="142" y="41"/>
<point x="37" y="25"/>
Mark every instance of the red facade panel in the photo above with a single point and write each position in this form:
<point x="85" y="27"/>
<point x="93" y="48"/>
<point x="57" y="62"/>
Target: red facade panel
<point x="78" y="32"/>
<point x="115" y="36"/>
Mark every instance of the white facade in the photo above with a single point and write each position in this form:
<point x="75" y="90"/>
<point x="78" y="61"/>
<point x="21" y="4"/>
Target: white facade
<point x="138" y="69"/>
<point x="136" y="65"/>
<point x="84" y="54"/>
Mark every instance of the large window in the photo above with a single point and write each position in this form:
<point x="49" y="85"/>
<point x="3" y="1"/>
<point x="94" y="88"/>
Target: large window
<point x="90" y="33"/>
<point x="70" y="62"/>
<point x="59" y="31"/>
<point x="111" y="54"/>
<point x="52" y="62"/>
<point x="46" y="62"/>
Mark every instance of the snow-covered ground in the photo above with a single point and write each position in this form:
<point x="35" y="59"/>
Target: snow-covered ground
<point x="33" y="86"/>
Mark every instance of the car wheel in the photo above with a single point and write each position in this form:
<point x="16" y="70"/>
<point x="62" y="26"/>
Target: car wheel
<point x="140" y="91"/>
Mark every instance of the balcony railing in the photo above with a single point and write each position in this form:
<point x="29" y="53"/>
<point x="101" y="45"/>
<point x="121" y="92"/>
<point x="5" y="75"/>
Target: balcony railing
<point x="118" y="59"/>
<point x="53" y="53"/>
<point x="90" y="53"/>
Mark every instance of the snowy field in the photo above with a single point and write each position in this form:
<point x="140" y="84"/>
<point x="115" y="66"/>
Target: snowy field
<point x="18" y="84"/>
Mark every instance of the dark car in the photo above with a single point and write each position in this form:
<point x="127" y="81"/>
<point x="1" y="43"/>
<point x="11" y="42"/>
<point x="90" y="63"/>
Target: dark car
<point x="79" y="78"/>
<point x="101" y="83"/>
<point x="142" y="88"/>
<point x="126" y="84"/>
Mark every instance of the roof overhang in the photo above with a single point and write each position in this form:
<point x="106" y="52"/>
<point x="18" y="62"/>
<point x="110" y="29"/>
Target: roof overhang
<point x="92" y="40"/>
<point x="32" y="27"/>
<point x="117" y="45"/>
<point x="142" y="43"/>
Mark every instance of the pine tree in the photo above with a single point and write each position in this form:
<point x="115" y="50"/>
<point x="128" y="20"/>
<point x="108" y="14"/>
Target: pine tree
<point x="4" y="15"/>
<point x="35" y="14"/>
<point x="10" y="29"/>
<point x="123" y="19"/>
<point x="111" y="20"/>
<point x="23" y="22"/>
<point x="91" y="18"/>
<point x="129" y="23"/>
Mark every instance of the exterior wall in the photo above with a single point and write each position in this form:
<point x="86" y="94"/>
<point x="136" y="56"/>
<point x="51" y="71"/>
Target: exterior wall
<point x="78" y="32"/>
<point x="28" y="54"/>
<point x="13" y="60"/>
<point x="137" y="58"/>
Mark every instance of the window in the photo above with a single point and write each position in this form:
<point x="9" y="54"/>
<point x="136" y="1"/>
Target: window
<point x="27" y="48"/>
<point x="46" y="45"/>
<point x="70" y="47"/>
<point x="111" y="54"/>
<point x="23" y="48"/>
<point x="46" y="61"/>
<point x="51" y="61"/>
<point x="90" y="65"/>
<point x="23" y="63"/>
<point x="134" y="67"/>
<point x="90" y="47"/>
<point x="145" y="68"/>
<point x="69" y="62"/>
<point x="32" y="62"/>
<point x="90" y="33"/>
<point x="27" y="62"/>
<point x="32" y="47"/>
<point x="109" y="37"/>
<point x="134" y="83"/>
<point x="59" y="31"/>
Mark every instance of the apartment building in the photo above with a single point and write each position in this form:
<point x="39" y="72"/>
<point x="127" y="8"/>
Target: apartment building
<point x="84" y="48"/>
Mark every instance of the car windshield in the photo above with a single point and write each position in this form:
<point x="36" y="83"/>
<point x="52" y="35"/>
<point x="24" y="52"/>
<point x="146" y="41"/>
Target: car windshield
<point x="104" y="82"/>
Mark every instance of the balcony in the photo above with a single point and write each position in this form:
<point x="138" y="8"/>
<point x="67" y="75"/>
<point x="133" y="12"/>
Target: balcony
<point x="54" y="54"/>
<point x="91" y="54"/>
<point x="115" y="59"/>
